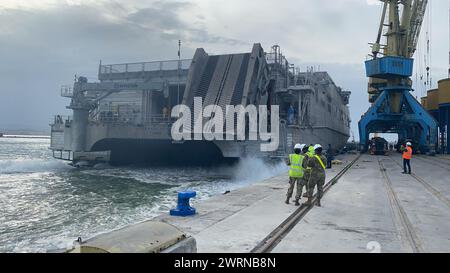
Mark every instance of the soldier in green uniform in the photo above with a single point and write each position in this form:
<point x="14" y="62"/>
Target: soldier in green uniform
<point x="308" y="151"/>
<point x="317" y="165"/>
<point x="296" y="171"/>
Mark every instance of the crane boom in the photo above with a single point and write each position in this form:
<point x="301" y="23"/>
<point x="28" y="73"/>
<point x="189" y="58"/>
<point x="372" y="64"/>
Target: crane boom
<point x="403" y="30"/>
<point x="417" y="17"/>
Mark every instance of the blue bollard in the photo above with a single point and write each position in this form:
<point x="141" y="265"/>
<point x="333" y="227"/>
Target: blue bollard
<point x="183" y="207"/>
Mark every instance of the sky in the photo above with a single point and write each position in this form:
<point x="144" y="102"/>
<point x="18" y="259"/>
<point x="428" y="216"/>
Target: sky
<point x="45" y="43"/>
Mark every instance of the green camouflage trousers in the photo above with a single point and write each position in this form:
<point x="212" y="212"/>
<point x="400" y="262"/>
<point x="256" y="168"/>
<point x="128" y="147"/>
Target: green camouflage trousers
<point x="300" y="182"/>
<point x="306" y="177"/>
<point x="317" y="178"/>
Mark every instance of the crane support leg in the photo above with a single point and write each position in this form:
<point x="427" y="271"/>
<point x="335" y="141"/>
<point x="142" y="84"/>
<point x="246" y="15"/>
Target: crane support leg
<point x="413" y="122"/>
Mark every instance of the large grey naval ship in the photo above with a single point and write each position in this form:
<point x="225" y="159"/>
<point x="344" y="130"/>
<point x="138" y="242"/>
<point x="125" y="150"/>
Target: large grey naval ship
<point x="125" y="117"/>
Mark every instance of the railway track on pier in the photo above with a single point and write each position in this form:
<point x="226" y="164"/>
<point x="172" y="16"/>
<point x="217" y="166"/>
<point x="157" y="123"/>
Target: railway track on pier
<point x="435" y="162"/>
<point x="407" y="227"/>
<point x="437" y="193"/>
<point x="443" y="157"/>
<point x="277" y="235"/>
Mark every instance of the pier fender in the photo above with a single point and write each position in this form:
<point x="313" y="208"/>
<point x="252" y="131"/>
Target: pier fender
<point x="146" y="237"/>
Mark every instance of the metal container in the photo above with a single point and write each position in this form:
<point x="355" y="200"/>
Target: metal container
<point x="424" y="101"/>
<point x="444" y="91"/>
<point x="433" y="100"/>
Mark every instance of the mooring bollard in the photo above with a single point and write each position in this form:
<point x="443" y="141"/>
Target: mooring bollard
<point x="183" y="207"/>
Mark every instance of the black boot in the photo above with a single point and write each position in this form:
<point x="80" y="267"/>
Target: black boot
<point x="287" y="201"/>
<point x="297" y="203"/>
<point x="318" y="203"/>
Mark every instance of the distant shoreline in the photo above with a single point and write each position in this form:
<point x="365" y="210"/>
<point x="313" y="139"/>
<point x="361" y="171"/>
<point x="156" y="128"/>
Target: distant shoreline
<point x="24" y="136"/>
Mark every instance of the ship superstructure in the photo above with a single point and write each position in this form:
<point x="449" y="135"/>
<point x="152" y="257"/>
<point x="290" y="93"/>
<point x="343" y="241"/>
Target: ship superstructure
<point x="126" y="116"/>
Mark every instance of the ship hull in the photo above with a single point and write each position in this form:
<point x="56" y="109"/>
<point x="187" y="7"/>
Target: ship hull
<point x="165" y="152"/>
<point x="162" y="152"/>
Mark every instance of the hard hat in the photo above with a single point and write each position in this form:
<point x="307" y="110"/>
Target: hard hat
<point x="317" y="146"/>
<point x="408" y="144"/>
<point x="302" y="146"/>
<point x="298" y="147"/>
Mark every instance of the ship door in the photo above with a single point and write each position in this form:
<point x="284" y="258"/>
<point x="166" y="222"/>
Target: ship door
<point x="289" y="108"/>
<point x="164" y="102"/>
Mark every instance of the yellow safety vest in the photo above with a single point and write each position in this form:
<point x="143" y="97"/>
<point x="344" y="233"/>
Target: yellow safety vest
<point x="296" y="161"/>
<point x="320" y="161"/>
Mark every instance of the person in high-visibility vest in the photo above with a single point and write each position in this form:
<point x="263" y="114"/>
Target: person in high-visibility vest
<point x="318" y="175"/>
<point x="407" y="156"/>
<point x="296" y="173"/>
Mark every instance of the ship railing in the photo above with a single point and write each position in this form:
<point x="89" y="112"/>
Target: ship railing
<point x="134" y="119"/>
<point x="62" y="154"/>
<point x="122" y="111"/>
<point x="274" y="58"/>
<point x="60" y="119"/>
<point x="115" y="120"/>
<point x="162" y="119"/>
<point x="66" y="91"/>
<point x="145" y="66"/>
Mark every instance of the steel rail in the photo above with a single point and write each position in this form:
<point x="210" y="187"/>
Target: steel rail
<point x="435" y="162"/>
<point x="396" y="206"/>
<point x="428" y="186"/>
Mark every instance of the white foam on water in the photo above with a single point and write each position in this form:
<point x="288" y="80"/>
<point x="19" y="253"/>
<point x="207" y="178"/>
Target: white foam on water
<point x="215" y="182"/>
<point x="250" y="170"/>
<point x="31" y="166"/>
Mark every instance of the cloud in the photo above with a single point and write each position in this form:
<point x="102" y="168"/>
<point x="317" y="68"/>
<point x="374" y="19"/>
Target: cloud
<point x="43" y="48"/>
<point x="165" y="17"/>
<point x="44" y="43"/>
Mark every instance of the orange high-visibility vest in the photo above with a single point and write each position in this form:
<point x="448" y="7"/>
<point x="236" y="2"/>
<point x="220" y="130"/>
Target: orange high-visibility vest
<point x="408" y="153"/>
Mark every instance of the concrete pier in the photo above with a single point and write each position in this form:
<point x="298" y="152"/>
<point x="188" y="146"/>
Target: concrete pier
<point x="238" y="221"/>
<point x="376" y="208"/>
<point x="373" y="208"/>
